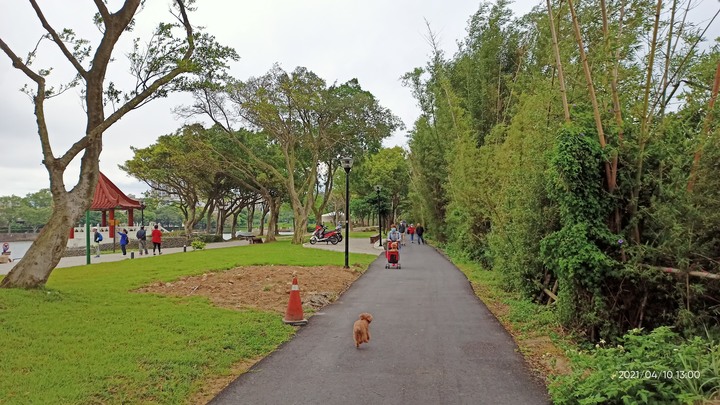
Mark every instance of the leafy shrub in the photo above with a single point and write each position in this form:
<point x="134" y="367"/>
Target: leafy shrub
<point x="656" y="368"/>
<point x="198" y="244"/>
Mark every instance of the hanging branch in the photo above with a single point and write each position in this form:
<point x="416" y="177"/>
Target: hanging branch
<point x="695" y="273"/>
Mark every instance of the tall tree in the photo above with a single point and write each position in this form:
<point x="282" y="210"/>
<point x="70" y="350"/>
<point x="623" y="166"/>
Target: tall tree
<point x="156" y="70"/>
<point x="238" y="166"/>
<point x="312" y="123"/>
<point x="389" y="168"/>
<point x="174" y="167"/>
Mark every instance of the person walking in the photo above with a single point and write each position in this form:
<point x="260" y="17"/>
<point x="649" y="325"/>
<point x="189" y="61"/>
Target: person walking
<point x="141" y="236"/>
<point x="123" y="241"/>
<point x="402" y="228"/>
<point x="156" y="237"/>
<point x="97" y="238"/>
<point x="420" y="230"/>
<point x="411" y="232"/>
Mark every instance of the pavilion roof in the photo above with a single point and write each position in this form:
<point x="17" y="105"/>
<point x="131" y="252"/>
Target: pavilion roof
<point x="108" y="196"/>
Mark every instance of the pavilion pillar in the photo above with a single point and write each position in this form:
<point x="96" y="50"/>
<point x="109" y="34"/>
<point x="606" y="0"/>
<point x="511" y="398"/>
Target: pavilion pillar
<point x="112" y="222"/>
<point x="104" y="219"/>
<point x="131" y="220"/>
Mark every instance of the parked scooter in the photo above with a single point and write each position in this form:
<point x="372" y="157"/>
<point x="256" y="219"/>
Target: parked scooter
<point x="321" y="235"/>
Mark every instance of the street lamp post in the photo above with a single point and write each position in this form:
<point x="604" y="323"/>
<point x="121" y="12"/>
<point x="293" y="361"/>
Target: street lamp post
<point x="221" y="218"/>
<point x="142" y="213"/>
<point x="347" y="163"/>
<point x="377" y="190"/>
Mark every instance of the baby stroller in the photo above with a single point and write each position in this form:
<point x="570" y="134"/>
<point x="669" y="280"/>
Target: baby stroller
<point x="393" y="255"/>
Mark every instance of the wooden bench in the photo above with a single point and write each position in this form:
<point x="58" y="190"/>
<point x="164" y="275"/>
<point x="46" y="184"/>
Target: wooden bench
<point x="374" y="238"/>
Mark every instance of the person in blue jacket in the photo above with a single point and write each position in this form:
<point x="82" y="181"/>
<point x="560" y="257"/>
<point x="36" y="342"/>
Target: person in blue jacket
<point x="123" y="240"/>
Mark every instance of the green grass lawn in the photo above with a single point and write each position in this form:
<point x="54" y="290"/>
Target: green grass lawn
<point x="87" y="339"/>
<point x="366" y="235"/>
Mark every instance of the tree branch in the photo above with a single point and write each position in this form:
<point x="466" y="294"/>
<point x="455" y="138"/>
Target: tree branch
<point x="38" y="100"/>
<point x="56" y="38"/>
<point x="98" y="130"/>
<point x="102" y="9"/>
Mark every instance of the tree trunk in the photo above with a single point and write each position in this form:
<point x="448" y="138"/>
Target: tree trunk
<point x="668" y="58"/>
<point x="617" y="220"/>
<point x="45" y="253"/>
<point x="234" y="224"/>
<point x="47" y="250"/>
<point x="706" y="130"/>
<point x="250" y="217"/>
<point x="188" y="230"/>
<point x="644" y="128"/>
<point x="221" y="222"/>
<point x="591" y="90"/>
<point x="275" y="216"/>
<point x="558" y="62"/>
<point x="265" y="209"/>
<point x="274" y="211"/>
<point x="300" y="223"/>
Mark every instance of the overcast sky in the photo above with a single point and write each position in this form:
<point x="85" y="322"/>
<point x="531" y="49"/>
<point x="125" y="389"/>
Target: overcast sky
<point x="375" y="41"/>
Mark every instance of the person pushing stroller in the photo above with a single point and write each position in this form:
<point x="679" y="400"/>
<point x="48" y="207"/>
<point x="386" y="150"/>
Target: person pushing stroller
<point x="393" y="248"/>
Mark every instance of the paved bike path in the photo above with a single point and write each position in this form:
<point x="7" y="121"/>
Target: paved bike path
<point x="433" y="342"/>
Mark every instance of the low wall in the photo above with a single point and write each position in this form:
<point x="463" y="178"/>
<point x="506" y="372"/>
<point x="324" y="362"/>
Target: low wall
<point x="106" y="246"/>
<point x="18" y="237"/>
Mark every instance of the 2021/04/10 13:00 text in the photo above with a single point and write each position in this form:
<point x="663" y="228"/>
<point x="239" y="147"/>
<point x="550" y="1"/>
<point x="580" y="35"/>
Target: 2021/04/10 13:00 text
<point x="656" y="375"/>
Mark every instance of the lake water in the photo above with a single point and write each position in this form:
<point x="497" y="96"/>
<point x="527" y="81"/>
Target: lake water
<point x="19" y="249"/>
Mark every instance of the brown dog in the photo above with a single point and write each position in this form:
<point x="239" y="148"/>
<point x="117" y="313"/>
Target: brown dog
<point x="361" y="329"/>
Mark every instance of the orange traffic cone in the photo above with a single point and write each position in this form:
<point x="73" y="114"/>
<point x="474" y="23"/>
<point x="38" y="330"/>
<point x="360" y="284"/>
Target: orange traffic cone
<point x="294" y="312"/>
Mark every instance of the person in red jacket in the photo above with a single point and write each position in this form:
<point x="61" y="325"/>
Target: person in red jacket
<point x="411" y="231"/>
<point x="156" y="239"/>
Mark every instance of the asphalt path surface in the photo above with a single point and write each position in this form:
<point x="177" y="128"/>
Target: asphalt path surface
<point x="433" y="342"/>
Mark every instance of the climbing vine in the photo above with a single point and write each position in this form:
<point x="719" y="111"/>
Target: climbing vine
<point x="578" y="253"/>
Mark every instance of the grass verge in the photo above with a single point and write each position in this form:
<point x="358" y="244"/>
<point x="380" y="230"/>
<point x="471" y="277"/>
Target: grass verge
<point x="366" y="235"/>
<point x="86" y="338"/>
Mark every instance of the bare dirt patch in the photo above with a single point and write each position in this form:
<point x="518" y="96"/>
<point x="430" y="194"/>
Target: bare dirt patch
<point x="262" y="287"/>
<point x="545" y="355"/>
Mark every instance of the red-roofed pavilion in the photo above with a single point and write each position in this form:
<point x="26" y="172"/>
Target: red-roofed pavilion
<point x="108" y="198"/>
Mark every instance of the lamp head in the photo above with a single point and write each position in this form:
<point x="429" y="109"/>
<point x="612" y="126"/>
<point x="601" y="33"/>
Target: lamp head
<point x="346" y="163"/>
